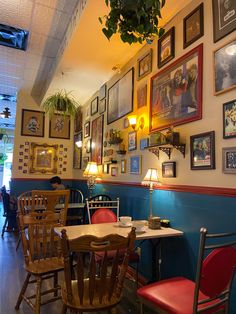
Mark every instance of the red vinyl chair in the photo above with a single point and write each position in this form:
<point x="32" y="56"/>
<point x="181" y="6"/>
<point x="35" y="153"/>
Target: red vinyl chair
<point x="210" y="293"/>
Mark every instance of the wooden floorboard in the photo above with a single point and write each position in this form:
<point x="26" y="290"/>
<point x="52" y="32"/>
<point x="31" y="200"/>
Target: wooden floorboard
<point x="12" y="275"/>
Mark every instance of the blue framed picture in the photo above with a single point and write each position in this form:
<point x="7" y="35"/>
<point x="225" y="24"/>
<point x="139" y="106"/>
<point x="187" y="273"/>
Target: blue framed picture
<point x="144" y="142"/>
<point x="135" y="164"/>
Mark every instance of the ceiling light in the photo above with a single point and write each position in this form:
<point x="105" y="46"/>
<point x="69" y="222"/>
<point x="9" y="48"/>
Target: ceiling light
<point x="13" y="37"/>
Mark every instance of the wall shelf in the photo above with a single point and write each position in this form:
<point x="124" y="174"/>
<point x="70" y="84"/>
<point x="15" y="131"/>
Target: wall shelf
<point x="167" y="149"/>
<point x="117" y="140"/>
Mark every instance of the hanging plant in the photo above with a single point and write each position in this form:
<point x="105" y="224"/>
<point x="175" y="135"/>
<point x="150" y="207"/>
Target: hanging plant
<point x="3" y="135"/>
<point x="136" y="21"/>
<point x="61" y="102"/>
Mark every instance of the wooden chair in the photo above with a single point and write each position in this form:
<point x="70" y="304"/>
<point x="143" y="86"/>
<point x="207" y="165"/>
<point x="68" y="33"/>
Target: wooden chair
<point x="25" y="201"/>
<point x="10" y="215"/>
<point x="210" y="293"/>
<point x="42" y="255"/>
<point x="75" y="215"/>
<point x="99" y="197"/>
<point x="91" y="290"/>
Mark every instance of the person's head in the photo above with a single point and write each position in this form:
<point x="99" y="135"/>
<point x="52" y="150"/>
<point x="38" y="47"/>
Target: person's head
<point x="55" y="181"/>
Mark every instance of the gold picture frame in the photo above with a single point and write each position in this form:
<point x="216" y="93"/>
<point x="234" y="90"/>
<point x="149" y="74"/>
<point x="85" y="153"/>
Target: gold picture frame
<point x="43" y="158"/>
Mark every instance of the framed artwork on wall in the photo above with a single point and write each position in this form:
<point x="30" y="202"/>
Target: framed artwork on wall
<point x="144" y="65"/>
<point x="120" y="97"/>
<point x="126" y="123"/>
<point x="97" y="140"/>
<point x="193" y="26"/>
<point x="229" y="119"/>
<point x="224" y="68"/>
<point x="132" y="140"/>
<point x="85" y="162"/>
<point x="105" y="168"/>
<point x="77" y="158"/>
<point x="142" y="96"/>
<point x="94" y="106"/>
<point x="43" y="158"/>
<point x="123" y="166"/>
<point x="144" y="142"/>
<point x="59" y="126"/>
<point x="166" y="47"/>
<point x="78" y="120"/>
<point x="102" y="91"/>
<point x="102" y="106"/>
<point x="114" y="171"/>
<point x="135" y="164"/>
<point x="87" y="129"/>
<point x="202" y="148"/>
<point x="229" y="159"/>
<point x="176" y="92"/>
<point x="224" y="18"/>
<point x="32" y="123"/>
<point x="88" y="146"/>
<point x="169" y="169"/>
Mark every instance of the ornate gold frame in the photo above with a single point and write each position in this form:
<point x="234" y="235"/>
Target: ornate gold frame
<point x="43" y="158"/>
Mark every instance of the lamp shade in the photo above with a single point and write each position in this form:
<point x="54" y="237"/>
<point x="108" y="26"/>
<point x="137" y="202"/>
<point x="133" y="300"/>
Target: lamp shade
<point x="91" y="169"/>
<point x="151" y="177"/>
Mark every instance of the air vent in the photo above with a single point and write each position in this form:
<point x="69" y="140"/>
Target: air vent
<point x="13" y="37"/>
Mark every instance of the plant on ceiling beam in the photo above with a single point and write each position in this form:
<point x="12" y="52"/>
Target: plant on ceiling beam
<point x="136" y="21"/>
<point x="62" y="102"/>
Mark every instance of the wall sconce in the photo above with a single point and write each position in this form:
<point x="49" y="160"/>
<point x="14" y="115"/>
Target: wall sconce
<point x="91" y="172"/>
<point x="133" y="122"/>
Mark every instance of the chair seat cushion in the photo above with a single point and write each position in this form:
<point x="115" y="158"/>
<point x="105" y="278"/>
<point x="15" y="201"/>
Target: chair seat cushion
<point x="174" y="295"/>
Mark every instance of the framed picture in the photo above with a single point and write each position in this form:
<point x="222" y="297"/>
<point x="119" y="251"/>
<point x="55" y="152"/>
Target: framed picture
<point x="126" y="123"/>
<point x="166" y="47"/>
<point x="120" y="97"/>
<point x="114" y="171"/>
<point x="176" y="92"/>
<point x="77" y="152"/>
<point x="229" y="119"/>
<point x="102" y="106"/>
<point x="123" y="166"/>
<point x="59" y="126"/>
<point x="87" y="129"/>
<point x="144" y="142"/>
<point x="224" y="18"/>
<point x="94" y="106"/>
<point x="85" y="162"/>
<point x="169" y="169"/>
<point x="97" y="140"/>
<point x="32" y="123"/>
<point x="135" y="165"/>
<point x="142" y="96"/>
<point x="229" y="159"/>
<point x="202" y="147"/>
<point x="145" y="65"/>
<point x="88" y="146"/>
<point x="224" y="68"/>
<point x="102" y="91"/>
<point x="193" y="26"/>
<point x="43" y="158"/>
<point x="78" y="121"/>
<point x="105" y="168"/>
<point x="132" y="140"/>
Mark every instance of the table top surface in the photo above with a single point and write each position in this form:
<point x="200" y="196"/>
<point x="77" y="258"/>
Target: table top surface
<point x="103" y="229"/>
<point x="58" y="206"/>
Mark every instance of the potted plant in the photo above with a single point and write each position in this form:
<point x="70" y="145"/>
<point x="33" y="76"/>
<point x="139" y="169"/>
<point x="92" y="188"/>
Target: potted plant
<point x="62" y="102"/>
<point x="136" y="21"/>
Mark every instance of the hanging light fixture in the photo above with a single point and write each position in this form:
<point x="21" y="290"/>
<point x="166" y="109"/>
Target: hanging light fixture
<point x="6" y="113"/>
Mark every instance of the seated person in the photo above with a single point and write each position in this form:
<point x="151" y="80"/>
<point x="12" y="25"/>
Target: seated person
<point x="56" y="183"/>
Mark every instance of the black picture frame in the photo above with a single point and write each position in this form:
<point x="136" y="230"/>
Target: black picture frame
<point x="32" y="123"/>
<point x="202" y="148"/>
<point x="94" y="106"/>
<point x="229" y="114"/>
<point x="193" y="26"/>
<point x="229" y="160"/>
<point x="169" y="169"/>
<point x="224" y="18"/>
<point x="59" y="126"/>
<point x="102" y="106"/>
<point x="87" y="129"/>
<point x="144" y="65"/>
<point x="166" y="48"/>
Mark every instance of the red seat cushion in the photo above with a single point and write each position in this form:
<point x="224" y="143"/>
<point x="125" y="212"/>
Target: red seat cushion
<point x="174" y="295"/>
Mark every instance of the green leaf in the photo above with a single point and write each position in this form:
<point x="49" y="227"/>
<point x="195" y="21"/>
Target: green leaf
<point x="107" y="33"/>
<point x="100" y="19"/>
<point x="161" y="32"/>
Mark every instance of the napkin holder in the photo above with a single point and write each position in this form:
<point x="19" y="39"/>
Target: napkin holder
<point x="154" y="223"/>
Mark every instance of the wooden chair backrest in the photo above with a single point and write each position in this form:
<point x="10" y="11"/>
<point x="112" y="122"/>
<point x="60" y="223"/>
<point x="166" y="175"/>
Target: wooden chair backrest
<point x="96" y="285"/>
<point x="25" y="201"/>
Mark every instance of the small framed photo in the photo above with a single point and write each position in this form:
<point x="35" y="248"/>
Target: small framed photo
<point x="87" y="129"/>
<point x="102" y="91"/>
<point x="229" y="159"/>
<point x="32" y="123"/>
<point x="224" y="18"/>
<point x="59" y="126"/>
<point x="135" y="164"/>
<point x="105" y="168"/>
<point x="85" y="162"/>
<point x="142" y="96"/>
<point x="114" y="171"/>
<point x="202" y="147"/>
<point x="126" y="123"/>
<point x="144" y="142"/>
<point x="166" y="47"/>
<point x="132" y="140"/>
<point x="229" y="119"/>
<point x="123" y="166"/>
<point x="224" y="68"/>
<point x="145" y="65"/>
<point x="94" y="106"/>
<point x="169" y="169"/>
<point x="193" y="26"/>
<point x="102" y="106"/>
<point x="88" y="146"/>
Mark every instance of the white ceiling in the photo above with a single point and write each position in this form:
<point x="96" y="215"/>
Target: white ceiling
<point x="65" y="37"/>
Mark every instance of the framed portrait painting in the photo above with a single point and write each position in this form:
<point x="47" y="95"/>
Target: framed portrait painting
<point x="224" y="68"/>
<point x="176" y="92"/>
<point x="135" y="164"/>
<point x="32" y="123"/>
<point x="224" y="18"/>
<point x="166" y="47"/>
<point x="132" y="140"/>
<point x="43" y="158"/>
<point x="229" y="159"/>
<point x="193" y="26"/>
<point x="202" y="148"/>
<point x="97" y="140"/>
<point x="145" y="65"/>
<point x="229" y="119"/>
<point x="169" y="169"/>
<point x="59" y="126"/>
